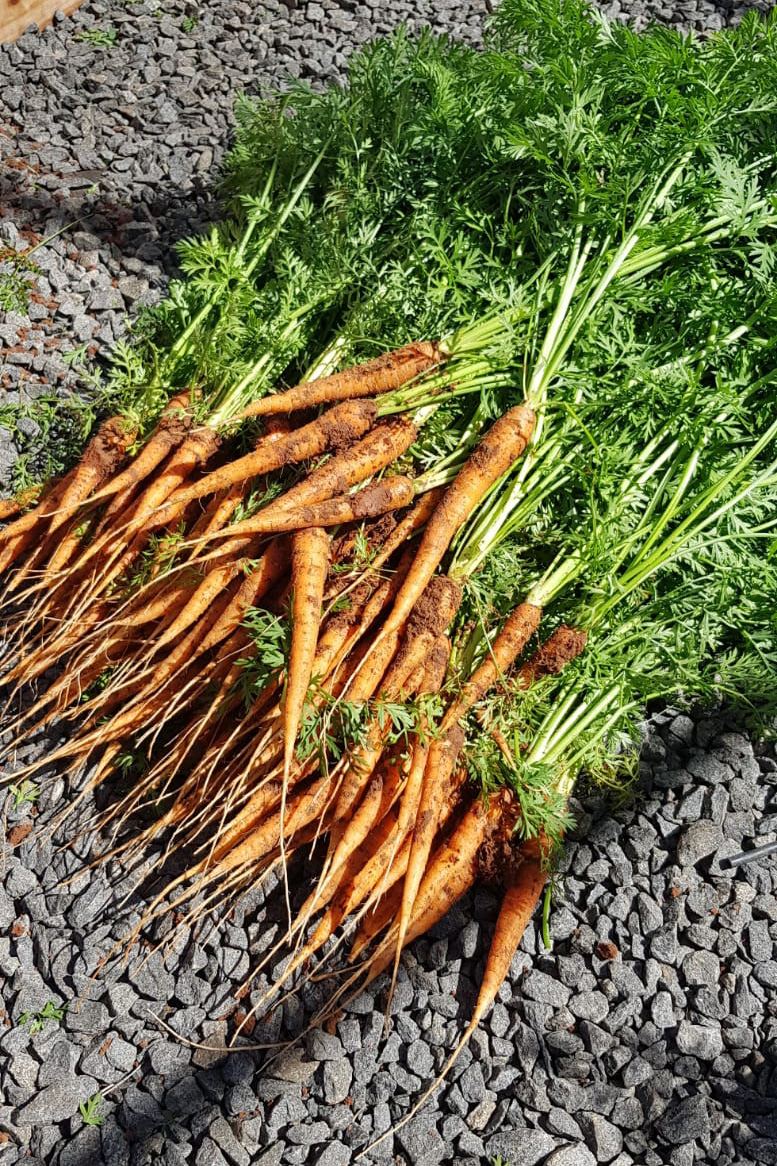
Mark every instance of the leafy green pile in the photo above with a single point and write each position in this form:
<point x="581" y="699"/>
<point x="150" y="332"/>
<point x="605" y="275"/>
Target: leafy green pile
<point x="579" y="224"/>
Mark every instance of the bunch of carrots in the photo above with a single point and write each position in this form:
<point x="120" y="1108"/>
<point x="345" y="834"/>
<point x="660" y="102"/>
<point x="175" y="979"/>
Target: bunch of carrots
<point x="391" y="612"/>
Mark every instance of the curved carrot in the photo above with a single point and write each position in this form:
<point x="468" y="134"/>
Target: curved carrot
<point x="100" y="459"/>
<point x="519" y="627"/>
<point x="518" y="905"/>
<point x="380" y="375"/>
<point x="171" y="430"/>
<point x="262" y="575"/>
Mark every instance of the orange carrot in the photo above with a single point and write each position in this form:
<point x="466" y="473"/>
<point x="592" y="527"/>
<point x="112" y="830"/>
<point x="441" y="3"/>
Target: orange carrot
<point x="432" y="614"/>
<point x="520" y="900"/>
<point x="449" y="875"/>
<point x="561" y="647"/>
<point x="378" y="498"/>
<point x="499" y="448"/>
<point x="262" y="575"/>
<point x="100" y="459"/>
<point x="197" y="447"/>
<point x="381" y="375"/>
<point x="339" y="426"/>
<point x="441" y="760"/>
<point x="309" y="566"/>
<point x="350" y="466"/>
<point x="522" y="623"/>
<point x="171" y="430"/>
<point x="11" y="506"/>
<point x="20" y="534"/>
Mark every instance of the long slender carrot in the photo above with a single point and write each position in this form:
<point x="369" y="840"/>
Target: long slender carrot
<point x="440" y="765"/>
<point x="378" y="498"/>
<point x="339" y="426"/>
<point x="309" y="565"/>
<point x="380" y="375"/>
<point x="434" y="611"/>
<point x="99" y="461"/>
<point x="519" y="627"/>
<point x="449" y="875"/>
<point x="262" y="574"/>
<point x="499" y="448"/>
<point x="20" y="534"/>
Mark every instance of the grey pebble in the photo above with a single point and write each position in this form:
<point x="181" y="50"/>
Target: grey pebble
<point x="571" y="1156"/>
<point x="684" y="1121"/>
<point x="698" y="841"/>
<point x="338" y="1076"/>
<point x="521" y="1147"/>
<point x="56" y="1102"/>
<point x="702" y="968"/>
<point x="699" y="1041"/>
<point x="602" y="1137"/>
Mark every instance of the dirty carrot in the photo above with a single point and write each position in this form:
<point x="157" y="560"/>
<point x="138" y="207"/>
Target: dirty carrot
<point x="380" y="375"/>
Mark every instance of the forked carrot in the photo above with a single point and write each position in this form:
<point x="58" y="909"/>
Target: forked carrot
<point x="380" y="375"/>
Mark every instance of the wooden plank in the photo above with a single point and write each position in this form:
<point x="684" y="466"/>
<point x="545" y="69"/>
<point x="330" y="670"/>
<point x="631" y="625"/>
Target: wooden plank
<point x="17" y="15"/>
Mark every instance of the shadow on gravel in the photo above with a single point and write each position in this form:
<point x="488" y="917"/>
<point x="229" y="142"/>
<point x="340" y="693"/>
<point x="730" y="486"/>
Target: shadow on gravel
<point x="145" y="231"/>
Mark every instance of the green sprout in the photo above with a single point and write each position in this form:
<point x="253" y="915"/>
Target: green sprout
<point x="25" y="794"/>
<point x="36" y="1021"/>
<point x="103" y="38"/>
<point x="90" y="1110"/>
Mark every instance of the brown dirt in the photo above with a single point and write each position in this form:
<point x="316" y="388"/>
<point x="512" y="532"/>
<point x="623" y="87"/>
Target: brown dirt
<point x="436" y="607"/>
<point x="106" y="450"/>
<point x="390" y="494"/>
<point x="338" y="427"/>
<point x="562" y="646"/>
<point x="503" y="853"/>
<point x="375" y="533"/>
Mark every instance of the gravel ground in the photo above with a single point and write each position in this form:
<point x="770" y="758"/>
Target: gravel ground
<point x="647" y="1035"/>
